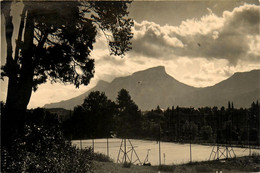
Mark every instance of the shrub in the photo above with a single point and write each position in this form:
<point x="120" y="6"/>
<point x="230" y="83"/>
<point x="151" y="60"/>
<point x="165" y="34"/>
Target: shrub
<point x="101" y="157"/>
<point x="50" y="153"/>
<point x="256" y="157"/>
<point x="42" y="149"/>
<point x="127" y="164"/>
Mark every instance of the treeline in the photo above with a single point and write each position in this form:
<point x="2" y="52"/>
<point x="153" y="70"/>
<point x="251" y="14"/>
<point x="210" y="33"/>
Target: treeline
<point x="99" y="117"/>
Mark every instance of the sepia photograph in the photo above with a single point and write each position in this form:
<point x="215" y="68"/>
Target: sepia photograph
<point x="136" y="86"/>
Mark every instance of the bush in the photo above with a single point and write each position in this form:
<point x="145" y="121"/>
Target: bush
<point x="42" y="149"/>
<point x="48" y="154"/>
<point x="101" y="157"/>
<point x="256" y="157"/>
<point x="127" y="164"/>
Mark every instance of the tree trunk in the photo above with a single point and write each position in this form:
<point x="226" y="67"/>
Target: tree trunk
<point x="27" y="71"/>
<point x="10" y="64"/>
<point x="19" y="84"/>
<point x="9" y="123"/>
<point x="20" y="88"/>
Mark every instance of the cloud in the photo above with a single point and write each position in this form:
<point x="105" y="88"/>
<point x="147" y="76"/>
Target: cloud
<point x="215" y="35"/>
<point x="209" y="10"/>
<point x="243" y="19"/>
<point x="200" y="79"/>
<point x="150" y="39"/>
<point x="111" y="59"/>
<point x="233" y="36"/>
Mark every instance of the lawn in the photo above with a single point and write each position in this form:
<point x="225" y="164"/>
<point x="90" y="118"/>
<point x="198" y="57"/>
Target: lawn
<point x="242" y="164"/>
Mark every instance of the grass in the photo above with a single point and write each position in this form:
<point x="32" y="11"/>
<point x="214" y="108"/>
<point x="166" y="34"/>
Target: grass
<point x="242" y="164"/>
<point x="167" y="168"/>
<point x="108" y="167"/>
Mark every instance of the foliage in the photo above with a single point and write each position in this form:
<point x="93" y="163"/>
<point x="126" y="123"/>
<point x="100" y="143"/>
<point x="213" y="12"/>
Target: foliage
<point x="94" y="118"/>
<point x="127" y="164"/>
<point x="43" y="148"/>
<point x="206" y="132"/>
<point x="176" y="124"/>
<point x="190" y="130"/>
<point x="99" y="117"/>
<point x="101" y="157"/>
<point x="128" y="119"/>
<point x="54" y="43"/>
<point x="63" y="35"/>
<point x="111" y="16"/>
<point x="256" y="157"/>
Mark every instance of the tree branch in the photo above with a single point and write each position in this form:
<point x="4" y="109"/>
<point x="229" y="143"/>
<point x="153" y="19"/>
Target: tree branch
<point x="105" y="34"/>
<point x="38" y="36"/>
<point x="19" y="39"/>
<point x="6" y="9"/>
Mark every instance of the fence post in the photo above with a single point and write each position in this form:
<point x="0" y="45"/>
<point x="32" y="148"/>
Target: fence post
<point x="125" y="148"/>
<point x="159" y="145"/>
<point x="190" y="138"/>
<point x="93" y="146"/>
<point x="107" y="148"/>
<point x="80" y="143"/>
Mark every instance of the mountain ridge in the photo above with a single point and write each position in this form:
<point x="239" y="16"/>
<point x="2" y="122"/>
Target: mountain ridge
<point x="153" y="86"/>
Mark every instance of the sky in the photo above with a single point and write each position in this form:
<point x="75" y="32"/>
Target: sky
<point x="200" y="43"/>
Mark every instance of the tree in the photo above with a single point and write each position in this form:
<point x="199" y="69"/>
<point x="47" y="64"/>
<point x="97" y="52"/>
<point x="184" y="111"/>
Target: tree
<point x="254" y="122"/>
<point x="206" y="132"/>
<point x="94" y="118"/>
<point x="101" y="111"/>
<point x="129" y="116"/>
<point x="54" y="42"/>
<point x="76" y="126"/>
<point x="190" y="129"/>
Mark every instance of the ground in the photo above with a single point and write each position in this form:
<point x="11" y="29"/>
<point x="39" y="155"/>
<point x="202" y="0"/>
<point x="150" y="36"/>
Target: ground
<point x="242" y="164"/>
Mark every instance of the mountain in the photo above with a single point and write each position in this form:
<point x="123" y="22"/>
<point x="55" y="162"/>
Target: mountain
<point x="242" y="88"/>
<point x="152" y="87"/>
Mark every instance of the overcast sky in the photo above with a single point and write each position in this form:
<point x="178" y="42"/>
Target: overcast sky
<point x="200" y="43"/>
